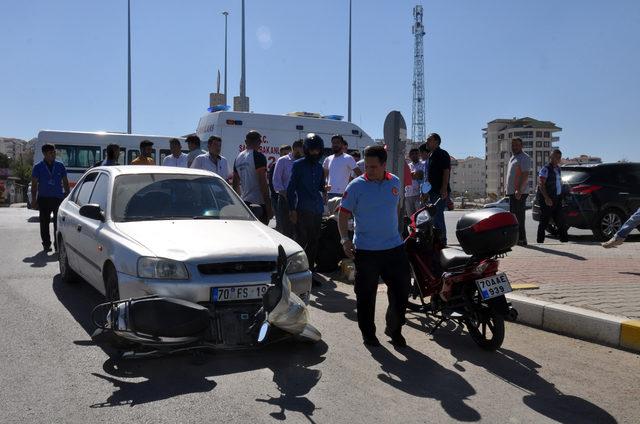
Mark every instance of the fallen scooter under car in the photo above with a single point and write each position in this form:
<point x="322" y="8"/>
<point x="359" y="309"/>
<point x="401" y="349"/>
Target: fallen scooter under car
<point x="156" y="326"/>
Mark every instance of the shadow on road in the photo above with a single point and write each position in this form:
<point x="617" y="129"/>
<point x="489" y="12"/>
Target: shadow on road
<point x="418" y="375"/>
<point x="40" y="259"/>
<point x="556" y="252"/>
<point x="539" y="394"/>
<point x="331" y="300"/>
<point x="168" y="377"/>
<point x="79" y="299"/>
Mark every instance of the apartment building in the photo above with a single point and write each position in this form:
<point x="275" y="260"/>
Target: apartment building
<point x="538" y="141"/>
<point x="468" y="176"/>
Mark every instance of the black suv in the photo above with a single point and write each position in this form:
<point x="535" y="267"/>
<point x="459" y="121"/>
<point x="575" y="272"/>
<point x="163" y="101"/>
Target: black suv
<point x="598" y="197"/>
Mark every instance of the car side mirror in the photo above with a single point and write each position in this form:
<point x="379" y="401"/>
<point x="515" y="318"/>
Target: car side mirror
<point x="257" y="210"/>
<point x="92" y="211"/>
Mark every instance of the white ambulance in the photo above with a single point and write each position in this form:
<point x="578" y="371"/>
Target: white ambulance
<point x="276" y="130"/>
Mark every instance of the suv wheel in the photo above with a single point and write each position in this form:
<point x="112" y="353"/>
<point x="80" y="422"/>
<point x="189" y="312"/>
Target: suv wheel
<point x="607" y="224"/>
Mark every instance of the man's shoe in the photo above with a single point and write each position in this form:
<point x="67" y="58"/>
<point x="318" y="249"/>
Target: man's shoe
<point x="540" y="241"/>
<point x="397" y="339"/>
<point x="522" y="242"/>
<point x="614" y="242"/>
<point x="371" y="341"/>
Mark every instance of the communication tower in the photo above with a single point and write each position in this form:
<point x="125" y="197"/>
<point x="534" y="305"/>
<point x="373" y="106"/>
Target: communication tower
<point x="417" y="121"/>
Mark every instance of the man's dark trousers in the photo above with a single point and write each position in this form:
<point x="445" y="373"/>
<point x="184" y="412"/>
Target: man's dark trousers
<point x="308" y="234"/>
<point x="393" y="266"/>
<point x="518" y="207"/>
<point x="283" y="222"/>
<point x="47" y="206"/>
<point x="548" y="212"/>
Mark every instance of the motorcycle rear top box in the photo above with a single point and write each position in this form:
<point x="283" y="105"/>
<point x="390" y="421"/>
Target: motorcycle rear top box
<point x="487" y="232"/>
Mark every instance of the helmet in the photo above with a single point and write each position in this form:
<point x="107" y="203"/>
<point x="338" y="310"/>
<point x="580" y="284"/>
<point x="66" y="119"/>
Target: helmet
<point x="313" y="141"/>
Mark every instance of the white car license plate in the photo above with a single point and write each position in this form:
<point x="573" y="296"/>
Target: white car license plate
<point x="494" y="286"/>
<point x="229" y="294"/>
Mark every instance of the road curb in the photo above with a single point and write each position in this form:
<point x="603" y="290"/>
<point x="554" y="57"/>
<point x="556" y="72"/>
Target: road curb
<point x="610" y="330"/>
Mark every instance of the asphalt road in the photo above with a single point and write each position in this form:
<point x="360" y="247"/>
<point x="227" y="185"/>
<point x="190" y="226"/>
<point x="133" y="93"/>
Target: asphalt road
<point x="51" y="372"/>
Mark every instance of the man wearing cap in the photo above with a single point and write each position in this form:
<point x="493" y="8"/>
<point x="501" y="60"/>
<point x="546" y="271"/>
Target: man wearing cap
<point x="373" y="200"/>
<point x="250" y="176"/>
<point x="145" y="158"/>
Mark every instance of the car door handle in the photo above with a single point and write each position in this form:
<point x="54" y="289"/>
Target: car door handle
<point x="79" y="228"/>
<point x="622" y="193"/>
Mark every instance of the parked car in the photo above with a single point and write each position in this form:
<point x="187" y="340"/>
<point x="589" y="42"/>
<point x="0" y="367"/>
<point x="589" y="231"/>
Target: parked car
<point x="134" y="231"/>
<point x="598" y="197"/>
<point x="504" y="204"/>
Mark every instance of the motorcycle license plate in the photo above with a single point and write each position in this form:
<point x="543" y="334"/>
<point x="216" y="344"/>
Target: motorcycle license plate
<point x="494" y="286"/>
<point x="230" y="294"/>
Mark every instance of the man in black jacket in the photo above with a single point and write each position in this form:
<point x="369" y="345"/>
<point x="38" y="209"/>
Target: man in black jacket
<point x="438" y="173"/>
<point x="549" y="197"/>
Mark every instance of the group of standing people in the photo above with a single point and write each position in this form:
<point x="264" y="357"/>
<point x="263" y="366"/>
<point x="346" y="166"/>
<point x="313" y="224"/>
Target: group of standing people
<point x="548" y="192"/>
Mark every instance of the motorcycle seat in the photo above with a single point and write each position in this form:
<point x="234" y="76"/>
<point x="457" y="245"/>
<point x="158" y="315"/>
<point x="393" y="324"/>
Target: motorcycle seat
<point x="168" y="317"/>
<point x="453" y="258"/>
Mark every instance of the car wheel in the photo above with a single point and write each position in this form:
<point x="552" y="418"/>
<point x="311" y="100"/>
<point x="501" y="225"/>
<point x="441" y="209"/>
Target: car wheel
<point x="111" y="290"/>
<point x="607" y="224"/>
<point x="67" y="274"/>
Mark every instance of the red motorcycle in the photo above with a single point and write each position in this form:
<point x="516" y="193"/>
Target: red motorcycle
<point x="463" y="285"/>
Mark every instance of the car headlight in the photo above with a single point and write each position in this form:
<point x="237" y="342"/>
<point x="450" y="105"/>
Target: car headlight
<point x="297" y="262"/>
<point x="165" y="269"/>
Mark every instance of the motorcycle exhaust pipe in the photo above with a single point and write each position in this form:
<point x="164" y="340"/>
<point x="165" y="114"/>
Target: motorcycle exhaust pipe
<point x="512" y="315"/>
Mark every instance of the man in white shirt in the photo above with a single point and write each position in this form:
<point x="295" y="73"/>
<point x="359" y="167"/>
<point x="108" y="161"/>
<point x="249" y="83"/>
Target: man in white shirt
<point x="338" y="167"/>
<point x="412" y="192"/>
<point x="176" y="158"/>
<point x="213" y="161"/>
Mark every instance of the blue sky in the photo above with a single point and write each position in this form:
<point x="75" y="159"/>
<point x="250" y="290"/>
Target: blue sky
<point x="574" y="62"/>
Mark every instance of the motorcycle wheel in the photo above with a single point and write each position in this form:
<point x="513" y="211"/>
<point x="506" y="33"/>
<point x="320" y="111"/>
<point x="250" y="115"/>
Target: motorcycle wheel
<point x="486" y="328"/>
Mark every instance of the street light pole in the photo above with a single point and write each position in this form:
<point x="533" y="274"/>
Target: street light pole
<point x="349" y="84"/>
<point x="226" y="14"/>
<point x="128" y="66"/>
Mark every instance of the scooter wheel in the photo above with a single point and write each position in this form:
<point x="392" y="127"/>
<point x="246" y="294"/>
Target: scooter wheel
<point x="486" y="328"/>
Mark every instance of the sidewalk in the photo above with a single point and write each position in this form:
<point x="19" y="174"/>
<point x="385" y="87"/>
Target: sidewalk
<point x="584" y="275"/>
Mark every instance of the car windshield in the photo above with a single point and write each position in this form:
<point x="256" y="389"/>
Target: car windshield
<point x="146" y="197"/>
<point x="573" y="176"/>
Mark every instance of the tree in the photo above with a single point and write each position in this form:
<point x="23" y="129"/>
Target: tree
<point x="5" y="162"/>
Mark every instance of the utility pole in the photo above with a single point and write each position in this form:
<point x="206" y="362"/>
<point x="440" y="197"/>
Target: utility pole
<point x="226" y="14"/>
<point x="349" y="90"/>
<point x="243" y="87"/>
<point x="128" y="66"/>
<point x="418" y="122"/>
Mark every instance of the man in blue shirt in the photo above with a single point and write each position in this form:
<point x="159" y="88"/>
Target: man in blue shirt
<point x="305" y="194"/>
<point x="49" y="185"/>
<point x="373" y="201"/>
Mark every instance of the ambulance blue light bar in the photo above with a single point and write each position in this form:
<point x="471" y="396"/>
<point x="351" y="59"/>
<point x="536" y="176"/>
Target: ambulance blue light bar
<point x="334" y="117"/>
<point x="218" y="108"/>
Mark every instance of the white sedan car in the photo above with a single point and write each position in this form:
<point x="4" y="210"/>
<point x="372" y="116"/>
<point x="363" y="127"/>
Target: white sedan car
<point x="134" y="231"/>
